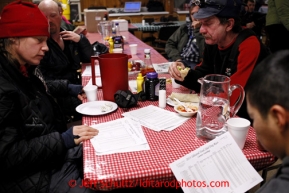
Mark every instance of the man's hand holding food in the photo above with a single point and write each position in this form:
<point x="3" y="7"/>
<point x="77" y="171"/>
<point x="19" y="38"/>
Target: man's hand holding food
<point x="178" y="71"/>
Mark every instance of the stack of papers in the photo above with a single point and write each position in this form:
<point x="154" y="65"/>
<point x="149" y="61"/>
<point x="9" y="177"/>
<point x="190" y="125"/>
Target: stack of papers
<point x="118" y="136"/>
<point x="218" y="166"/>
<point x="126" y="134"/>
<point x="156" y="118"/>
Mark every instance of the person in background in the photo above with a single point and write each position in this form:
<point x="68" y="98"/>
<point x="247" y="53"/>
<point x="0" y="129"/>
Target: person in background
<point x="66" y="50"/>
<point x="221" y="29"/>
<point x="37" y="152"/>
<point x="65" y="24"/>
<point x="258" y="4"/>
<point x="186" y="44"/>
<point x="277" y="25"/>
<point x="253" y="19"/>
<point x="268" y="106"/>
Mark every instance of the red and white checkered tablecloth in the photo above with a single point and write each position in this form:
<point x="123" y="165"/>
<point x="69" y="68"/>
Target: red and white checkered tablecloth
<point x="109" y="171"/>
<point x="165" y="148"/>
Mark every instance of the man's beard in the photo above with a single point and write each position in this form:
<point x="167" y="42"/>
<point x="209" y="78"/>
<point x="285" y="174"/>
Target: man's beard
<point x="53" y="29"/>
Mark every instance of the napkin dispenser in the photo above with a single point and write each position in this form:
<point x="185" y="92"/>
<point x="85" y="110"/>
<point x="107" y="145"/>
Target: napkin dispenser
<point x="122" y="23"/>
<point x="92" y="17"/>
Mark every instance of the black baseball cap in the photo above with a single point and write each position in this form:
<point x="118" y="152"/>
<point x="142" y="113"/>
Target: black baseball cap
<point x="220" y="8"/>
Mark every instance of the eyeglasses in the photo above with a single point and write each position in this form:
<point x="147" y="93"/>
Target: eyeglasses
<point x="219" y="4"/>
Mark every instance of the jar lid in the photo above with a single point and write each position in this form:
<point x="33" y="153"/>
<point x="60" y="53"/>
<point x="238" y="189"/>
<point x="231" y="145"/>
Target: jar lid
<point x="147" y="51"/>
<point x="152" y="75"/>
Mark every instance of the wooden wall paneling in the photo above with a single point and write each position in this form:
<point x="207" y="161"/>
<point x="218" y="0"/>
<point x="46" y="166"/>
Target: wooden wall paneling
<point x="120" y="3"/>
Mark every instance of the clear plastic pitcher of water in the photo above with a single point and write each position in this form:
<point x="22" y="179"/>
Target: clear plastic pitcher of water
<point x="105" y="29"/>
<point x="214" y="109"/>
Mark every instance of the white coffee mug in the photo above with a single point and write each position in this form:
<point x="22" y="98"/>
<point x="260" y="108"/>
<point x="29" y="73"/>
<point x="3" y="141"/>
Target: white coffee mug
<point x="133" y="49"/>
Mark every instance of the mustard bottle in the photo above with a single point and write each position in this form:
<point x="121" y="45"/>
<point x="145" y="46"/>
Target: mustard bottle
<point x="139" y="82"/>
<point x="110" y="41"/>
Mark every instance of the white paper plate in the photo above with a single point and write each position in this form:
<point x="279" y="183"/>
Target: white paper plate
<point x="95" y="107"/>
<point x="133" y="73"/>
<point x="171" y="102"/>
<point x="174" y="103"/>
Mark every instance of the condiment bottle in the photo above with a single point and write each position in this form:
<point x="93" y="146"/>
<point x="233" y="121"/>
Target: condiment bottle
<point x="148" y="67"/>
<point x="110" y="41"/>
<point x="117" y="42"/>
<point x="139" y="82"/>
<point x="152" y="86"/>
<point x="117" y="29"/>
<point x="162" y="93"/>
<point x="105" y="16"/>
<point x="113" y="32"/>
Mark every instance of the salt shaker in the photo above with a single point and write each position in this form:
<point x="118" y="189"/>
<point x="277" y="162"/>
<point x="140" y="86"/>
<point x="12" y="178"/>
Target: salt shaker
<point x="162" y="93"/>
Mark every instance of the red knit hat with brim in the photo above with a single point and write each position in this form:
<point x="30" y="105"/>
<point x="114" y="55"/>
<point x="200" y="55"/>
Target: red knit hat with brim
<point x="23" y="19"/>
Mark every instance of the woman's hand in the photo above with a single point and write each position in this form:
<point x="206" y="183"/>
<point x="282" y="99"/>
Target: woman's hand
<point x="83" y="132"/>
<point x="174" y="71"/>
<point x="81" y="96"/>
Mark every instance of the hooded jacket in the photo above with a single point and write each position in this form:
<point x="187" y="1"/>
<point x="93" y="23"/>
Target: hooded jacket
<point x="178" y="41"/>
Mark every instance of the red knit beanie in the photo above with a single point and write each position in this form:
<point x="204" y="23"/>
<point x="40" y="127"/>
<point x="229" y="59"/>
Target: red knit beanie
<point x="23" y="19"/>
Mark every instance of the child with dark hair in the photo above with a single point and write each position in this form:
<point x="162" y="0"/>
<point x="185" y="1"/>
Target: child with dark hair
<point x="268" y="106"/>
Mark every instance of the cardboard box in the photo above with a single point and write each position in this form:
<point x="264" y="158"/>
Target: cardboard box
<point x="92" y="17"/>
<point x="122" y="23"/>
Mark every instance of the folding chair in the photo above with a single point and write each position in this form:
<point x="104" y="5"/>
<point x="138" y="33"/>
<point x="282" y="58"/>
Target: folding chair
<point x="165" y="33"/>
<point x="148" y="36"/>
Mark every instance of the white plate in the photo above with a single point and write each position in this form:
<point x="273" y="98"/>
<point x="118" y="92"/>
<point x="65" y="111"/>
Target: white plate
<point x="171" y="102"/>
<point x="133" y="72"/>
<point x="95" y="107"/>
<point x="174" y="103"/>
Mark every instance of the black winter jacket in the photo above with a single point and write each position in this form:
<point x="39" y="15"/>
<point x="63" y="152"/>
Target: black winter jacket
<point x="60" y="64"/>
<point x="31" y="124"/>
<point x="279" y="182"/>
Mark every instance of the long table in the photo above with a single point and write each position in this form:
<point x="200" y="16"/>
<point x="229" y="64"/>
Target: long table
<point x="148" y="27"/>
<point x="123" y="169"/>
<point x="131" y="39"/>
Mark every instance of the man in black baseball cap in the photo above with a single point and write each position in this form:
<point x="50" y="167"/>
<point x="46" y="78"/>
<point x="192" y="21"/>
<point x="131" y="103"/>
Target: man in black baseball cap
<point x="229" y="50"/>
<point x="220" y="8"/>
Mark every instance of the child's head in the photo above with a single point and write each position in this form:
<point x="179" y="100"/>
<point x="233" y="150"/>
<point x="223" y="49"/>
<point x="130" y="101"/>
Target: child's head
<point x="268" y="102"/>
